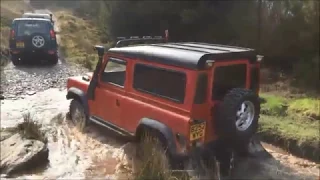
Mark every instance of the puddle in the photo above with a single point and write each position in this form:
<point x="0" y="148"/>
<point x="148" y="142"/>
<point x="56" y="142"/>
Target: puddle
<point x="274" y="148"/>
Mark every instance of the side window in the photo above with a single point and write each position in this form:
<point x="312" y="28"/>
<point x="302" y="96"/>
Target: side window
<point x="201" y="89"/>
<point x="114" y="72"/>
<point x="160" y="82"/>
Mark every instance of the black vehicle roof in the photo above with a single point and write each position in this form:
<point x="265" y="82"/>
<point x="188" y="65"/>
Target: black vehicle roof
<point x="33" y="19"/>
<point x="191" y="55"/>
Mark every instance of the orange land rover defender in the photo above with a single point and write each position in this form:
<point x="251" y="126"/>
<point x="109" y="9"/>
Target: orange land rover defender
<point x="195" y="97"/>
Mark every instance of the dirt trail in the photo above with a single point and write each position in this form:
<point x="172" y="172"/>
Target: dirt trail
<point x="98" y="152"/>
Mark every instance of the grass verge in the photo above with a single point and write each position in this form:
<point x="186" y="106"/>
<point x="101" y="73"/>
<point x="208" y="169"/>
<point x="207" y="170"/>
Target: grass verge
<point x="309" y="107"/>
<point x="292" y="124"/>
<point x="78" y="36"/>
<point x="304" y="107"/>
<point x="9" y="11"/>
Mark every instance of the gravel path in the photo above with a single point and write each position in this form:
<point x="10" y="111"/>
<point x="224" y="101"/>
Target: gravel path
<point x="18" y="82"/>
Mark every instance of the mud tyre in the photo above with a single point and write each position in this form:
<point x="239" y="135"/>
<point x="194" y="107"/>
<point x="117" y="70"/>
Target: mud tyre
<point x="16" y="61"/>
<point x="237" y="119"/>
<point x="151" y="150"/>
<point x="53" y="60"/>
<point x="78" y="115"/>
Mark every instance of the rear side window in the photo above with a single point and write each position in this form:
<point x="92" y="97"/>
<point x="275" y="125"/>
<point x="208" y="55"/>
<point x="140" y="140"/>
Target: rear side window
<point x="160" y="82"/>
<point x="227" y="78"/>
<point x="30" y="27"/>
<point x="201" y="89"/>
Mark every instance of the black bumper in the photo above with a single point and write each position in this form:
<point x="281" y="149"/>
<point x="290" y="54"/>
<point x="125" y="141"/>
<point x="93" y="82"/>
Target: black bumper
<point x="34" y="54"/>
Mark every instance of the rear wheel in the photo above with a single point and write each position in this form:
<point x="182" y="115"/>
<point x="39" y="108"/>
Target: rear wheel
<point x="237" y="120"/>
<point x="53" y="60"/>
<point x="151" y="152"/>
<point x="77" y="114"/>
<point x="16" y="61"/>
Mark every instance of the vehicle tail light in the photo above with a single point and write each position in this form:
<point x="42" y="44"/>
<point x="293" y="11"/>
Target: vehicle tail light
<point x="209" y="64"/>
<point x="12" y="34"/>
<point x="259" y="58"/>
<point x="52" y="34"/>
<point x="51" y="52"/>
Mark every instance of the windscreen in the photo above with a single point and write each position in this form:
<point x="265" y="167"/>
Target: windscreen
<point x="27" y="28"/>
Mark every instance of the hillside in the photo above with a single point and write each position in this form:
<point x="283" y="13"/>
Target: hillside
<point x="9" y="11"/>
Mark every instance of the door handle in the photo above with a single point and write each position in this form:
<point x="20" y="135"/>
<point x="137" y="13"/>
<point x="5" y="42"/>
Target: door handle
<point x="117" y="102"/>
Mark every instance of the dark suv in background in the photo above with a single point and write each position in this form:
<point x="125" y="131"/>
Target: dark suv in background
<point x="33" y="40"/>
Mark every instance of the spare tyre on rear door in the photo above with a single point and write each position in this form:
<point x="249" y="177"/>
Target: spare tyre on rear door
<point x="237" y="118"/>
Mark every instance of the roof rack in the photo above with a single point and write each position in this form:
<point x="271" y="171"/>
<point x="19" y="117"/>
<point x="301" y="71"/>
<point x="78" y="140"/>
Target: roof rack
<point x="134" y="40"/>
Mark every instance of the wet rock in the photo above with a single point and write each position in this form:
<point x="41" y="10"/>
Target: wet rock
<point x="19" y="154"/>
<point x="5" y="134"/>
<point x="30" y="93"/>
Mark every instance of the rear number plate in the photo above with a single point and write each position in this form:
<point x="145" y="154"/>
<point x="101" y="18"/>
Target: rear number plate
<point x="20" y="44"/>
<point x="197" y="131"/>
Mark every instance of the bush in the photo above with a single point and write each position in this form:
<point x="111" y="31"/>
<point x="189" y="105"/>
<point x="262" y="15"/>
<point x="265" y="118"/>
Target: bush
<point x="306" y="73"/>
<point x="31" y="129"/>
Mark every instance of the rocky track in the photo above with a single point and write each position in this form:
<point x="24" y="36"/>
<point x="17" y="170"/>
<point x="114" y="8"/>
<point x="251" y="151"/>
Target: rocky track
<point x="18" y="82"/>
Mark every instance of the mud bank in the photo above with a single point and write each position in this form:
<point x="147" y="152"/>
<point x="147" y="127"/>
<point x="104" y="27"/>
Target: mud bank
<point x="303" y="150"/>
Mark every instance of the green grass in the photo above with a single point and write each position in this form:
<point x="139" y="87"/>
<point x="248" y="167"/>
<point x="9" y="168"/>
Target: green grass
<point x="294" y="128"/>
<point x="279" y="106"/>
<point x="275" y="105"/>
<point x="309" y="107"/>
<point x="292" y="124"/>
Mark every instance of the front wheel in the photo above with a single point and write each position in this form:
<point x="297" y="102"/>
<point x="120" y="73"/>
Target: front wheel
<point x="78" y="115"/>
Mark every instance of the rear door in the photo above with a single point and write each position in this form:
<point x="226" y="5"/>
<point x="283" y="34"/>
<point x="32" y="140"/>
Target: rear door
<point x="228" y="75"/>
<point x="26" y="30"/>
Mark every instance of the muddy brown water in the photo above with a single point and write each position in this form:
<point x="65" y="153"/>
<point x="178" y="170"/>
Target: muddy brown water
<point x="99" y="153"/>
